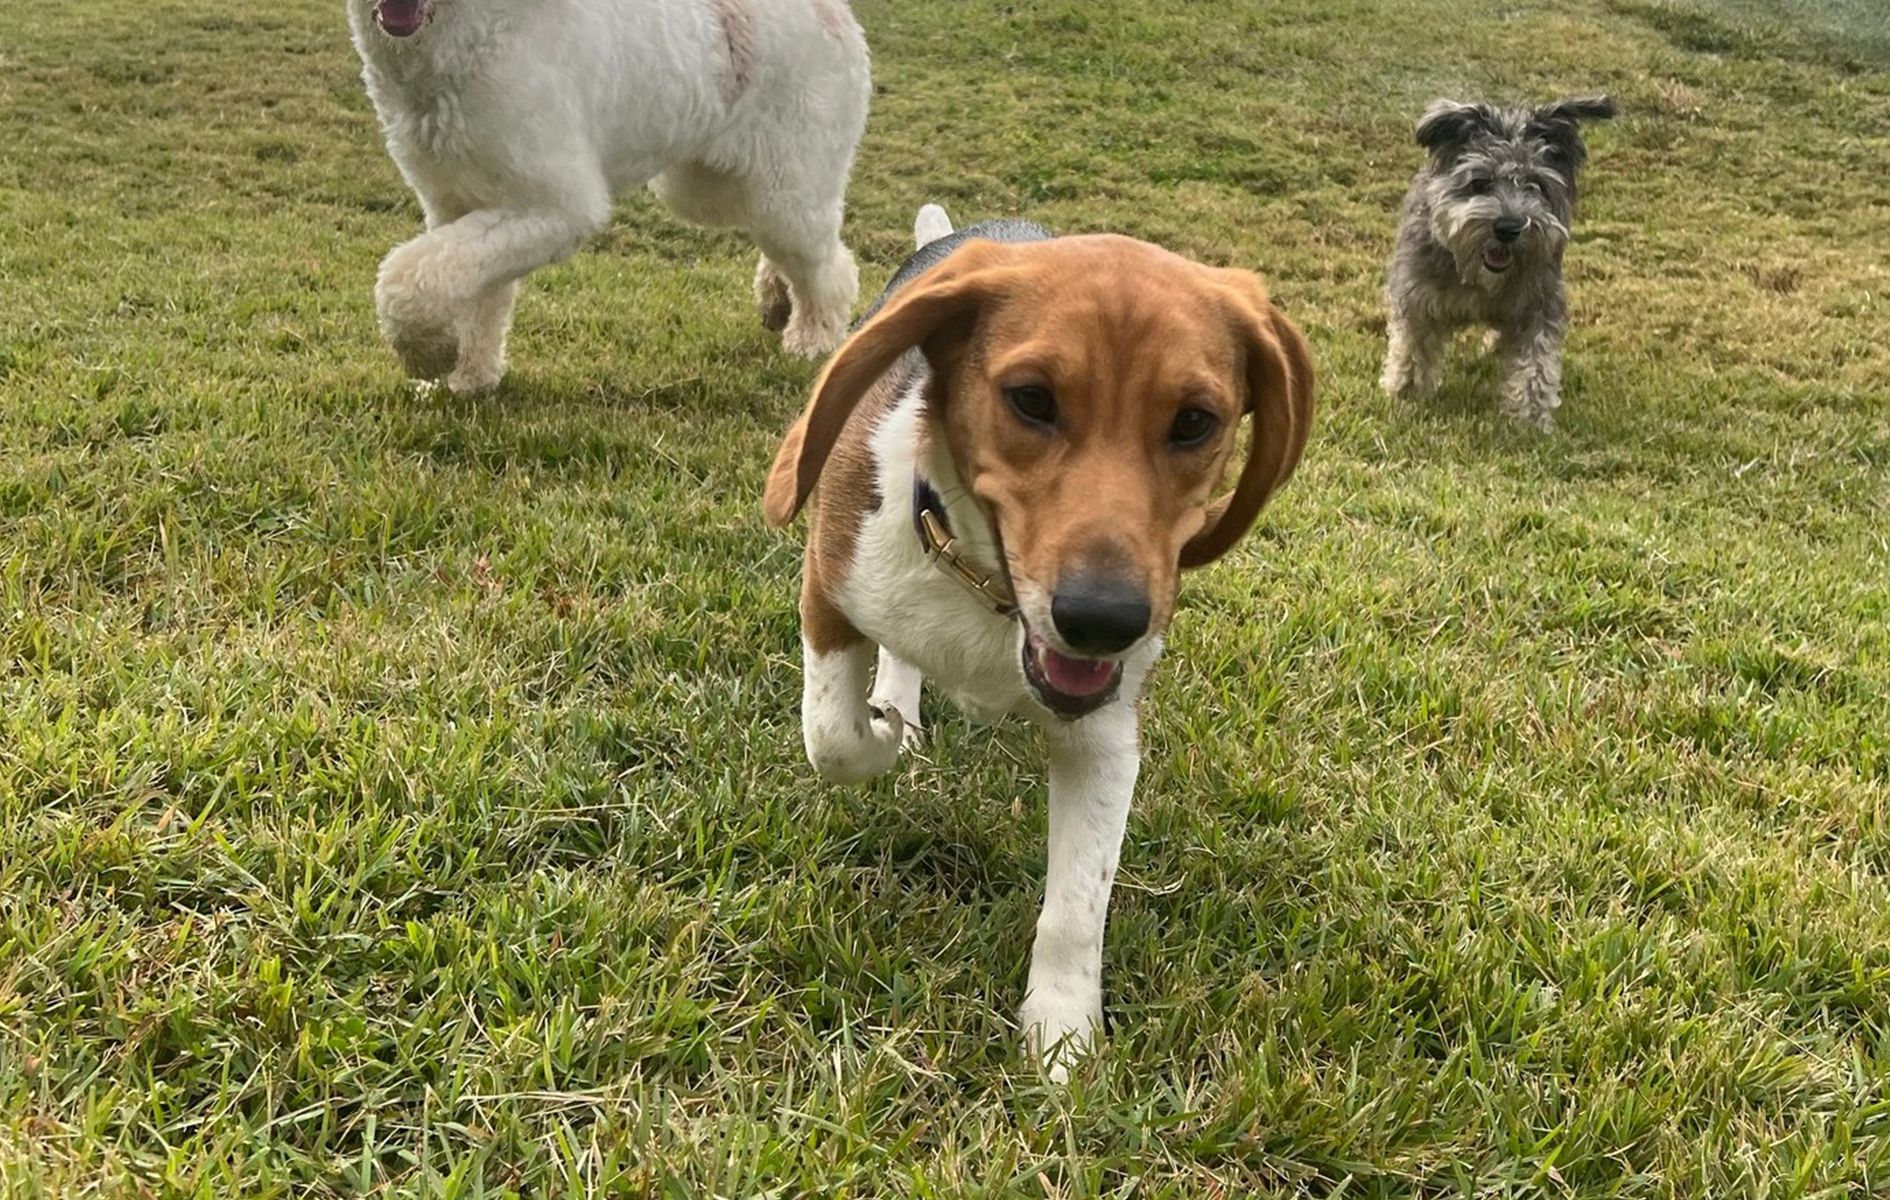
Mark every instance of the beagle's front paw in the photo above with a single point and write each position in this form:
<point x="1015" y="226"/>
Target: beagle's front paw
<point x="857" y="752"/>
<point x="1060" y="1025"/>
<point x="890" y="721"/>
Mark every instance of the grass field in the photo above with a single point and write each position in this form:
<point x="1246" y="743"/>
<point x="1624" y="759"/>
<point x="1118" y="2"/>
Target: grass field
<point x="403" y="796"/>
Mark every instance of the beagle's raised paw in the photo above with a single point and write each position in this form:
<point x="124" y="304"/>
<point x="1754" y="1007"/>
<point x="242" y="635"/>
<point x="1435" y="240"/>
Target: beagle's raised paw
<point x="1012" y="460"/>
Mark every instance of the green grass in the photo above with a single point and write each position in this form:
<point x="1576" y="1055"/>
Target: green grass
<point x="403" y="796"/>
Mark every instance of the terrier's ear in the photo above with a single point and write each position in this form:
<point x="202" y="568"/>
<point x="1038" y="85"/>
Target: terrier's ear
<point x="1447" y="124"/>
<point x="1576" y="108"/>
<point x="1556" y="125"/>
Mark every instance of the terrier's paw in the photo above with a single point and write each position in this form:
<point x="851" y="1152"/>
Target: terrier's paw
<point x="1060" y="1027"/>
<point x="1537" y="412"/>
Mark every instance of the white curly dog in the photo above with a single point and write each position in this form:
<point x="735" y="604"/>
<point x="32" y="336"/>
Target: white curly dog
<point x="517" y="121"/>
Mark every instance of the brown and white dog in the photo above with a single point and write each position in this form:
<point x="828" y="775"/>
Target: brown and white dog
<point x="1017" y="453"/>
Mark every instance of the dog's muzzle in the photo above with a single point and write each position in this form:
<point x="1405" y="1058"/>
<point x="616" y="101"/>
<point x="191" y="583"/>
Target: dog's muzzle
<point x="1498" y="257"/>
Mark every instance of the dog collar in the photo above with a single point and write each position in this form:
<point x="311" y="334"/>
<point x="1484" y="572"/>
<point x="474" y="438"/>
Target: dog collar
<point x="941" y="546"/>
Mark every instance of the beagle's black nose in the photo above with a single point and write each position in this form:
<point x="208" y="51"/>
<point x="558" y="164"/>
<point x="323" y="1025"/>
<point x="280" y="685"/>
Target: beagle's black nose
<point x="1100" y="614"/>
<point x="1508" y="229"/>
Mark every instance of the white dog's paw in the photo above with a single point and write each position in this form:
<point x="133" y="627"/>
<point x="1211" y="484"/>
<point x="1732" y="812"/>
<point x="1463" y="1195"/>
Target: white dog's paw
<point x="1060" y="1026"/>
<point x="421" y="333"/>
<point x="812" y="336"/>
<point x="425" y="356"/>
<point x="773" y="300"/>
<point x="471" y="378"/>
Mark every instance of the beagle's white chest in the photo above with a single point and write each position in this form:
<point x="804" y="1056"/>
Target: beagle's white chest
<point x="899" y="598"/>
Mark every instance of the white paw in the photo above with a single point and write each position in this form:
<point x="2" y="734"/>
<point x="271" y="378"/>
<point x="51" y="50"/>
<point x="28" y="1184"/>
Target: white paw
<point x="424" y="354"/>
<point x="415" y="324"/>
<point x="469" y="379"/>
<point x="811" y="337"/>
<point x="888" y="718"/>
<point x="857" y="755"/>
<point x="772" y="299"/>
<point x="1060" y="1026"/>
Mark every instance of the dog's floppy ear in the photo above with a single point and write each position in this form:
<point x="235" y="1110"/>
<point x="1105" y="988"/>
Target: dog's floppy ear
<point x="1279" y="385"/>
<point x="1448" y="123"/>
<point x="1557" y="124"/>
<point x="929" y="313"/>
<point x="1576" y="108"/>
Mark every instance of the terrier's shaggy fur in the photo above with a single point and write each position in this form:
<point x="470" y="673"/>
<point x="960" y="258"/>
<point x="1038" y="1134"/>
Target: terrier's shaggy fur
<point x="516" y="121"/>
<point x="1480" y="242"/>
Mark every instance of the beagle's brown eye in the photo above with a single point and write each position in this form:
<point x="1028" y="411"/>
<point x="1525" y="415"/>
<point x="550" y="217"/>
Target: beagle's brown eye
<point x="1192" y="427"/>
<point x="1033" y="403"/>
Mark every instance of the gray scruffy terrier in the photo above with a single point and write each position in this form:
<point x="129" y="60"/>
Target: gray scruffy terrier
<point x="1480" y="242"/>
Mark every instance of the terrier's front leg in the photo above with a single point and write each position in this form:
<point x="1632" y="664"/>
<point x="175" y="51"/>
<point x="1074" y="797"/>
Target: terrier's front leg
<point x="1414" y="356"/>
<point x="1532" y="372"/>
<point x="1093" y="764"/>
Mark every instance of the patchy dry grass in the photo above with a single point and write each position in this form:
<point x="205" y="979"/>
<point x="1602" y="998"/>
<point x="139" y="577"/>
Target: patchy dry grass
<point x="402" y="796"/>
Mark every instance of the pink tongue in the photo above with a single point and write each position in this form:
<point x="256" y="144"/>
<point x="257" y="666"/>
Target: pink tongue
<point x="1076" y="676"/>
<point x="400" y="17"/>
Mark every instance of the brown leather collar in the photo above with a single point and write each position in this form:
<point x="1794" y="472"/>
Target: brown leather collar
<point x="941" y="546"/>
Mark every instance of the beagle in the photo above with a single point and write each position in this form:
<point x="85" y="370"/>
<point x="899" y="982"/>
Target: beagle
<point x="1017" y="452"/>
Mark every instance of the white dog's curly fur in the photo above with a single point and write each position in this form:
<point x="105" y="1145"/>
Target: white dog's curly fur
<point x="516" y="121"/>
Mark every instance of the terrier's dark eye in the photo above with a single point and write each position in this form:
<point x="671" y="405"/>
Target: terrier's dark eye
<point x="1478" y="186"/>
<point x="1192" y="426"/>
<point x="1033" y="403"/>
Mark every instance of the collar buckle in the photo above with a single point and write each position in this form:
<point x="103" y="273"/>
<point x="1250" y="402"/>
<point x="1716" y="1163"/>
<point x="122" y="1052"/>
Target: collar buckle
<point x="942" y="548"/>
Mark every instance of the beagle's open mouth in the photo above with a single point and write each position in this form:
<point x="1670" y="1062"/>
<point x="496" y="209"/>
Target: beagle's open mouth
<point x="1496" y="259"/>
<point x="1070" y="687"/>
<point x="402" y="18"/>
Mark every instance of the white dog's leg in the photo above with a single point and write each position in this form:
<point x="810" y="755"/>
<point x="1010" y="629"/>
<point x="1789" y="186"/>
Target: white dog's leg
<point x="896" y="688"/>
<point x="1093" y="765"/>
<point x="823" y="285"/>
<point x="846" y="740"/>
<point x="482" y="341"/>
<point x="431" y="288"/>
<point x="798" y="230"/>
<point x="772" y="298"/>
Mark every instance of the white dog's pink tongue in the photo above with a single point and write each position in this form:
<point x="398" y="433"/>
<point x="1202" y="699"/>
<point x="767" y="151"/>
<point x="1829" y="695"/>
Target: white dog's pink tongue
<point x="1076" y="676"/>
<point x="401" y="18"/>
